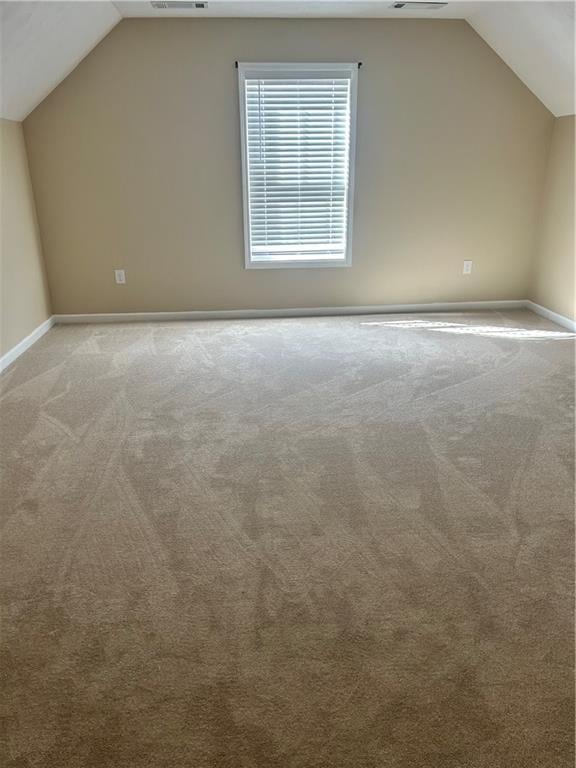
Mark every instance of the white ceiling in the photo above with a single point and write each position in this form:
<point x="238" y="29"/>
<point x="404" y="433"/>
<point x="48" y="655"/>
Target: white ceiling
<point x="298" y="8"/>
<point x="42" y="41"/>
<point x="536" y="40"/>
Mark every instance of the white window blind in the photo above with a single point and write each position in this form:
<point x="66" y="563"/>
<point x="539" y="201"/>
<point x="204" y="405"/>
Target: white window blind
<point x="298" y="138"/>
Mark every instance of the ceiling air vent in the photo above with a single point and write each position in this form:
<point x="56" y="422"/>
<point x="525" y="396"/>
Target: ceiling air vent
<point x="418" y="6"/>
<point x="179" y="4"/>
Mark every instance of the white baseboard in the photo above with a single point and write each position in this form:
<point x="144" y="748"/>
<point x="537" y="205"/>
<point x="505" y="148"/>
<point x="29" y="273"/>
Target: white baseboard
<point x="555" y="317"/>
<point x="26" y="343"/>
<point x="231" y="314"/>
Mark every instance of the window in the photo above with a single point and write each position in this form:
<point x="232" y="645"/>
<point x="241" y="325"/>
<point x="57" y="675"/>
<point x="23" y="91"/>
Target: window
<point x="298" y="136"/>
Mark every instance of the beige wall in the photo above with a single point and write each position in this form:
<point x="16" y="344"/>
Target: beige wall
<point x="135" y="159"/>
<point x="24" y="302"/>
<point x="554" y="274"/>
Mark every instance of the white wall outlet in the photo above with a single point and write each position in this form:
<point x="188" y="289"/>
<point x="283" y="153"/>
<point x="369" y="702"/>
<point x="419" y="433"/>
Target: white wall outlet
<point x="467" y="270"/>
<point x="120" y="276"/>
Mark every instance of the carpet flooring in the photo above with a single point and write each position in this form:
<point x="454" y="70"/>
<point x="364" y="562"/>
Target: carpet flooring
<point x="290" y="543"/>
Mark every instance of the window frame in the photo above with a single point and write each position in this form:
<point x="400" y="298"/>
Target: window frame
<point x="251" y="70"/>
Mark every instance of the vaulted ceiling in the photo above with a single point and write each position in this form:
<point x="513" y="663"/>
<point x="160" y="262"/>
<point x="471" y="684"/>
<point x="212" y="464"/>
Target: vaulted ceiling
<point x="43" y="41"/>
<point x="536" y="40"/>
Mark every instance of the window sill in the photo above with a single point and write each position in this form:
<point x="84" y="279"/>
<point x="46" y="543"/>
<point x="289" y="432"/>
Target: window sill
<point x="320" y="264"/>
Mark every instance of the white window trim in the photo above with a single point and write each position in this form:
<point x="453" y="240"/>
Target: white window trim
<point x="247" y="70"/>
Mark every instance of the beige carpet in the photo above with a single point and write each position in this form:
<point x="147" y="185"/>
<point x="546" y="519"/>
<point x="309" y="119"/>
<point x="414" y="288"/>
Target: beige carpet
<point x="309" y="543"/>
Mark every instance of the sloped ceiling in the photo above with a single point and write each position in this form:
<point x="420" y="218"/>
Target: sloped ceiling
<point x="536" y="40"/>
<point x="43" y="41"/>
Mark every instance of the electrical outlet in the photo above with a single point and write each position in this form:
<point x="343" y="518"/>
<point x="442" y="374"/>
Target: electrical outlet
<point x="120" y="276"/>
<point x="467" y="268"/>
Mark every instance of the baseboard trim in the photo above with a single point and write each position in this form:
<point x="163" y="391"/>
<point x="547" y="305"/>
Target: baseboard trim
<point x="247" y="314"/>
<point x="253" y="314"/>
<point x="26" y="343"/>
<point x="555" y="317"/>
